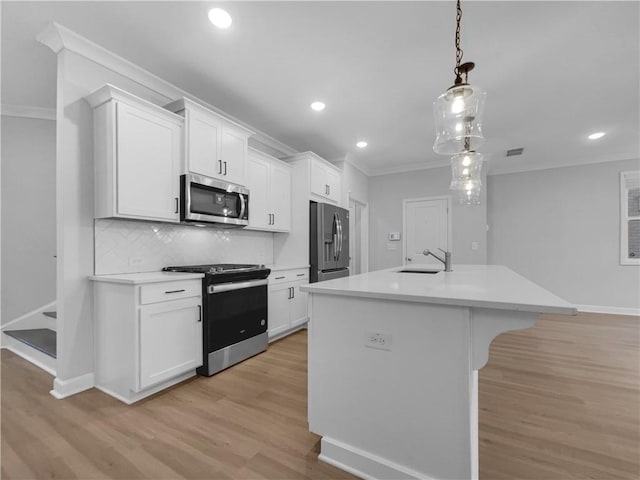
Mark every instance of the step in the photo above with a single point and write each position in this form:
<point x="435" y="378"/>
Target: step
<point x="42" y="339"/>
<point x="51" y="314"/>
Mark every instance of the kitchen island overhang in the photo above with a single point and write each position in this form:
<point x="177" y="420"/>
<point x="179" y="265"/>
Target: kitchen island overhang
<point x="408" y="408"/>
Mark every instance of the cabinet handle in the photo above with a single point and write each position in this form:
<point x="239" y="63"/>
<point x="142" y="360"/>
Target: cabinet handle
<point x="177" y="205"/>
<point x="174" y="291"/>
<point x="279" y="278"/>
<point x="290" y="297"/>
<point x="293" y="292"/>
<point x="225" y="167"/>
<point x="300" y="275"/>
<point x="273" y="219"/>
<point x="219" y="167"/>
<point x="328" y="189"/>
<point x="199" y="313"/>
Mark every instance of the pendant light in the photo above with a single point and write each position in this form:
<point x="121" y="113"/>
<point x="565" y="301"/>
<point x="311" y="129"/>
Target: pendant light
<point x="458" y="111"/>
<point x="458" y="118"/>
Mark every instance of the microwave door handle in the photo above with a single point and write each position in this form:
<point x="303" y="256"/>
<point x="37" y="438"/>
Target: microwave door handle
<point x="243" y="205"/>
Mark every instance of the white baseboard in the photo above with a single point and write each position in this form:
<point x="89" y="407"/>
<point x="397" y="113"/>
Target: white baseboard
<point x="66" y="388"/>
<point x="364" y="464"/>
<point x="137" y="396"/>
<point x="30" y="354"/>
<point x="608" y="310"/>
<point x="34" y="319"/>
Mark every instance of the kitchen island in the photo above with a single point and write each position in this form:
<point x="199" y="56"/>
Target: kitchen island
<point x="393" y="364"/>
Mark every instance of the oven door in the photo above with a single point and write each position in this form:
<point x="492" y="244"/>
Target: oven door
<point x="235" y="312"/>
<point x="207" y="200"/>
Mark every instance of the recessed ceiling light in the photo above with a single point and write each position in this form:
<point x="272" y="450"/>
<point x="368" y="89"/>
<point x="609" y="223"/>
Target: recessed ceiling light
<point x="596" y="136"/>
<point x="361" y="144"/>
<point x="220" y="18"/>
<point x="318" y="106"/>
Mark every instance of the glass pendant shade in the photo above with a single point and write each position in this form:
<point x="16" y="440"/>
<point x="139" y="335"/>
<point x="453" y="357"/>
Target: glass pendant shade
<point x="465" y="166"/>
<point x="458" y="117"/>
<point x="470" y="196"/>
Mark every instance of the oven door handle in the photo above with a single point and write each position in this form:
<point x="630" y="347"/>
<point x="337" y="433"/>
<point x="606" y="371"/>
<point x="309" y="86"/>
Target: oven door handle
<point x="227" y="287"/>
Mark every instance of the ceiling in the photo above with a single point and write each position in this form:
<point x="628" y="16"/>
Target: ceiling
<point x="554" y="72"/>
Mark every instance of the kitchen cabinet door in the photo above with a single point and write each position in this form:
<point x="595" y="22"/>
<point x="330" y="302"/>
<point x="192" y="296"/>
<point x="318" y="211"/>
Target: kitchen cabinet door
<point x="215" y="146"/>
<point x="325" y="181"/>
<point x="233" y="154"/>
<point x="170" y="340"/>
<point x="333" y="184"/>
<point x="278" y="309"/>
<point x="148" y="157"/>
<point x="280" y="197"/>
<point x="298" y="305"/>
<point x="202" y="133"/>
<point x="259" y="192"/>
<point x="318" y="179"/>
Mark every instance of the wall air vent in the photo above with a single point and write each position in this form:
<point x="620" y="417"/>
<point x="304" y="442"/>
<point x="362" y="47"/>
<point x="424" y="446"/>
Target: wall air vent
<point x="514" y="151"/>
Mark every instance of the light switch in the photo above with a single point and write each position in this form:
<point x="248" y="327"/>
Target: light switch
<point x="474" y="245"/>
<point x="394" y="236"/>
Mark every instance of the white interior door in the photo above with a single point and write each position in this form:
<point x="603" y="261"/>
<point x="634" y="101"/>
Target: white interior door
<point x="358" y="237"/>
<point x="426" y="227"/>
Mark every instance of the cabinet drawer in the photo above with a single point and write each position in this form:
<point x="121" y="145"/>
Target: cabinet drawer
<point x="288" y="276"/>
<point x="165" y="291"/>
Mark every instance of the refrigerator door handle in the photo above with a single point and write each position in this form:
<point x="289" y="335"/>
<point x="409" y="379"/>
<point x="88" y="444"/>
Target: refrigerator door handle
<point x="340" y="237"/>
<point x="336" y="236"/>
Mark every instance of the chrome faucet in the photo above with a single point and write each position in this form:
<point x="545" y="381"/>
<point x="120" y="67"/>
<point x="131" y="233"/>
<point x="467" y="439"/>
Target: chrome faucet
<point x="446" y="260"/>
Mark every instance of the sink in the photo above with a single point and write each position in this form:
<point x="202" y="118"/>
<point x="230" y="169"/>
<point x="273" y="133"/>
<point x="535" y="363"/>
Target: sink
<point x="418" y="270"/>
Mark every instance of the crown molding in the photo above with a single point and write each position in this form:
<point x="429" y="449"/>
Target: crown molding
<point x="355" y="162"/>
<point x="58" y="38"/>
<point x="25" y="111"/>
<point x="413" y="167"/>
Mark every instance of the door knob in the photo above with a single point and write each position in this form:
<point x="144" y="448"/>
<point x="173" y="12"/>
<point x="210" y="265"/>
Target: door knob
<point x="409" y="259"/>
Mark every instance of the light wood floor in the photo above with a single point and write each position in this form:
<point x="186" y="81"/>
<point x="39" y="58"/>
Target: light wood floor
<point x="560" y="400"/>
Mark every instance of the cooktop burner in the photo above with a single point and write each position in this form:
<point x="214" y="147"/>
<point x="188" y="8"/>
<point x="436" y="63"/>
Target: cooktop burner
<point x="217" y="268"/>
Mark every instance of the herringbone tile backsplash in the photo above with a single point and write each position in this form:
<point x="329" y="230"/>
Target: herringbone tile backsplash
<point x="127" y="246"/>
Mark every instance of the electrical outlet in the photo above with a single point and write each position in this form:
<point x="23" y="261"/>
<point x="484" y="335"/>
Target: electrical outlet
<point x="474" y="245"/>
<point x="134" y="261"/>
<point x="378" y="340"/>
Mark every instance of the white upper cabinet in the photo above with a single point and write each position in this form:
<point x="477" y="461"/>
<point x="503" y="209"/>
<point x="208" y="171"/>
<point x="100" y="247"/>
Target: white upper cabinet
<point x="325" y="180"/>
<point x="269" y="184"/>
<point x="214" y="146"/>
<point x="137" y="147"/>
<point x="280" y="196"/>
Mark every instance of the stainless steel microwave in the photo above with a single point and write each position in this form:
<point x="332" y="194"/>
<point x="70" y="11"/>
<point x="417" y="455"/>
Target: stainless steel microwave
<point x="207" y="200"/>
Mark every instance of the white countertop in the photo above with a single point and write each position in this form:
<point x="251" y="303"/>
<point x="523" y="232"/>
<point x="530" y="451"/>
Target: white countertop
<point x="485" y="286"/>
<point x="145" y="277"/>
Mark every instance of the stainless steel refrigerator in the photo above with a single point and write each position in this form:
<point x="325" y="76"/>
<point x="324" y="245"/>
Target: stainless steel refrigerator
<point x="328" y="242"/>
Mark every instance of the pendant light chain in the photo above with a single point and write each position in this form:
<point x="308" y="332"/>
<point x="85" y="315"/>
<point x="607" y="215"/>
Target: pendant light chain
<point x="458" y="49"/>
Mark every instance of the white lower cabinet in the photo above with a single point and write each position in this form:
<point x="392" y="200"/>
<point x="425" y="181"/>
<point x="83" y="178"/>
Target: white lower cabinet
<point x="147" y="336"/>
<point x="287" y="304"/>
<point x="170" y="340"/>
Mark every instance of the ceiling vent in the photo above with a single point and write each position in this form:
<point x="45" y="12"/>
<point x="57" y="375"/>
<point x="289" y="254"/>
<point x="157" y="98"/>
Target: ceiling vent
<point x="514" y="151"/>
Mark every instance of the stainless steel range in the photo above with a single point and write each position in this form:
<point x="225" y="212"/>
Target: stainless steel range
<point x="234" y="298"/>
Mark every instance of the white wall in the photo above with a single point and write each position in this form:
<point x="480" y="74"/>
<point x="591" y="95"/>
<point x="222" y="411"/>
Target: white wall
<point x="355" y="184"/>
<point x="386" y="193"/>
<point x="561" y="229"/>
<point x="28" y="215"/>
